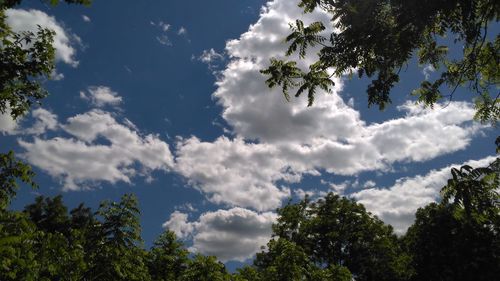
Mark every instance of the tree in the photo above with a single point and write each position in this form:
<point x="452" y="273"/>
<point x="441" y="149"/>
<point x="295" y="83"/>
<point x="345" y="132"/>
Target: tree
<point x="167" y="259"/>
<point x="459" y="238"/>
<point x="475" y="190"/>
<point x="444" y="246"/>
<point x="205" y="268"/>
<point x="49" y="215"/>
<point x="337" y="232"/>
<point x="115" y="251"/>
<point x="26" y="59"/>
<point x="285" y="260"/>
<point x="17" y="258"/>
<point x="378" y="38"/>
<point x="11" y="170"/>
<point x="247" y="273"/>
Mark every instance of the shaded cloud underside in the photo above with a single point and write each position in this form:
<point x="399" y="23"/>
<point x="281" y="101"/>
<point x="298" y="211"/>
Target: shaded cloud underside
<point x="234" y="234"/>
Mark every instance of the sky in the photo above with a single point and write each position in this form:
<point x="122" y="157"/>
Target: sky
<point x="164" y="99"/>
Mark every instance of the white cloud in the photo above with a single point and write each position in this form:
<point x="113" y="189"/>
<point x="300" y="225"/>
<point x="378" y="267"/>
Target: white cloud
<point x="235" y="234"/>
<point x="27" y="20"/>
<point x="164" y="28"/>
<point x="369" y="184"/>
<point x="7" y="124"/>
<point x="397" y="204"/>
<point x="101" y="96"/>
<point x="182" y="31"/>
<point x="234" y="172"/>
<point x="56" y="76"/>
<point x="84" y="160"/>
<point x="45" y="120"/>
<point x="86" y="18"/>
<point x="178" y="223"/>
<point x="164" y="40"/>
<point x="338" y="188"/>
<point x="211" y="58"/>
<point x="427" y="71"/>
<point x="291" y="139"/>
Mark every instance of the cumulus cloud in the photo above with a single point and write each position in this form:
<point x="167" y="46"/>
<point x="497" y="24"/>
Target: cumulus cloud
<point x="44" y="121"/>
<point x="28" y="20"/>
<point x="99" y="149"/>
<point x="178" y="223"/>
<point x="235" y="234"/>
<point x="396" y="205"/>
<point x="234" y="172"/>
<point x="276" y="141"/>
<point x="101" y="96"/>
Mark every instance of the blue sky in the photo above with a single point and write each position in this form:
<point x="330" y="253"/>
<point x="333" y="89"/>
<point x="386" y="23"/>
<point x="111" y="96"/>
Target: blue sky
<point x="164" y="99"/>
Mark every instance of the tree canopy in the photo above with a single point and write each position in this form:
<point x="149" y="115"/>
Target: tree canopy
<point x="331" y="238"/>
<point x="377" y="39"/>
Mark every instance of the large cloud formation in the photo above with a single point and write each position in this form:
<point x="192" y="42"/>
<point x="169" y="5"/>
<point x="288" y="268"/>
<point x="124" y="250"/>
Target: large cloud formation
<point x="277" y="142"/>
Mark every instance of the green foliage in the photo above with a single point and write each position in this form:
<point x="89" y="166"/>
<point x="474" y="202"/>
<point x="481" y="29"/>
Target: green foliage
<point x="332" y="238"/>
<point x="26" y="58"/>
<point x="336" y="231"/>
<point x="12" y="170"/>
<point x="205" y="268"/>
<point x="303" y="37"/>
<point x="459" y="239"/>
<point x="378" y="38"/>
<point x="446" y="247"/>
<point x="282" y="74"/>
<point x="168" y="259"/>
<point x="246" y="273"/>
<point x="49" y="214"/>
<point x="17" y="260"/>
<point x="475" y="190"/>
<point x="116" y="251"/>
<point x="6" y="4"/>
<point x="283" y="261"/>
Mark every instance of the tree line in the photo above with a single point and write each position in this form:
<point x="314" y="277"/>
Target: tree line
<point x="331" y="238"/>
